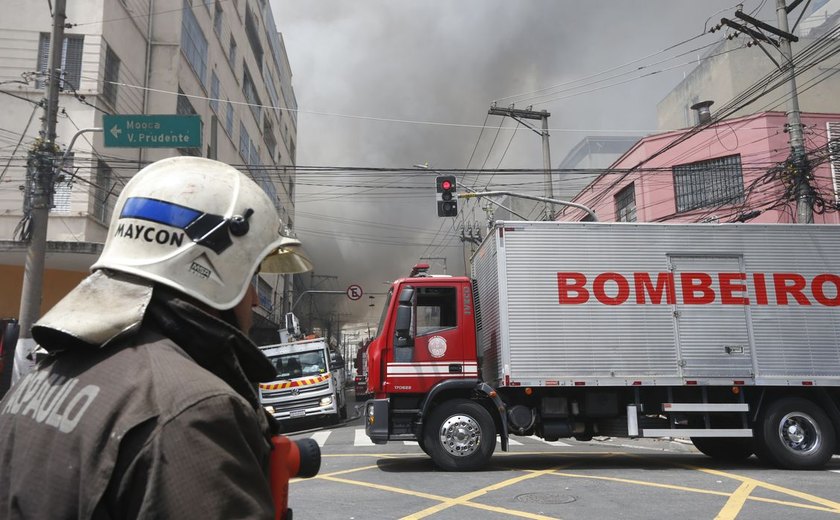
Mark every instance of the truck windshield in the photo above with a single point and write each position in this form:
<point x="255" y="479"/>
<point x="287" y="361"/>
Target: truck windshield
<point x="384" y="311"/>
<point x="300" y="364"/>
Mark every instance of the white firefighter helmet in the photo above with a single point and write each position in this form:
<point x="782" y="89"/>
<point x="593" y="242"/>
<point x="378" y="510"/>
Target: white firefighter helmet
<point x="199" y="226"/>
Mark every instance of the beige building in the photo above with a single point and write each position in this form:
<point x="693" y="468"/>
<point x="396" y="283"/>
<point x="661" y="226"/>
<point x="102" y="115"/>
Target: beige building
<point x="727" y="70"/>
<point x="222" y="60"/>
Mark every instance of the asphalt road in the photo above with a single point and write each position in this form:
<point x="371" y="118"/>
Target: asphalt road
<point x="605" y="478"/>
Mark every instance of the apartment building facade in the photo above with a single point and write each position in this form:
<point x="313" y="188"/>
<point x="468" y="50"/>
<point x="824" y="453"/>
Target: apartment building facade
<point x="222" y="60"/>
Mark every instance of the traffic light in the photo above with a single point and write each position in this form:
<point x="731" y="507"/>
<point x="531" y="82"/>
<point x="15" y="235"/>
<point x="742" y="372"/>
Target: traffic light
<point x="447" y="201"/>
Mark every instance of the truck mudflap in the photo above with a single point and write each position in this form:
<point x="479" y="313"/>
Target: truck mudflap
<point x="376" y="420"/>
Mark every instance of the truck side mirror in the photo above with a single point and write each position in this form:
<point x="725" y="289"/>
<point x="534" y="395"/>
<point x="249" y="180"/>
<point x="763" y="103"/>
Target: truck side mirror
<point x="403" y="324"/>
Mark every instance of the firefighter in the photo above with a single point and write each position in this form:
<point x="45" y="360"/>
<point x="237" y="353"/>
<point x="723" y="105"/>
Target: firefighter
<point x="144" y="406"/>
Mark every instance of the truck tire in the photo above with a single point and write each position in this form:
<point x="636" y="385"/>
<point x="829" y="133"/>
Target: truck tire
<point x="795" y="433"/>
<point x="342" y="412"/>
<point x="729" y="449"/>
<point x="460" y="435"/>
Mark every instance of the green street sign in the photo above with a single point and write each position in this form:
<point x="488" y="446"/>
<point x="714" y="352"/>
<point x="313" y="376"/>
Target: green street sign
<point x="152" y="131"/>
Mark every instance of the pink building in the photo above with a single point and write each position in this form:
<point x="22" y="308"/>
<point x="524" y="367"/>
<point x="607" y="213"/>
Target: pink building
<point x="733" y="170"/>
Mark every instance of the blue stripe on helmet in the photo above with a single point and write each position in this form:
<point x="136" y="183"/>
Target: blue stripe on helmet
<point x="159" y="211"/>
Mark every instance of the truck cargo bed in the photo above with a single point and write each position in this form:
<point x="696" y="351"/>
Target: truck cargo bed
<point x="658" y="304"/>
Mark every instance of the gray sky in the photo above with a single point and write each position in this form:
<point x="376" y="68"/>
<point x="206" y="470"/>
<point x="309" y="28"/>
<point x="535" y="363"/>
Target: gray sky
<point x="371" y="76"/>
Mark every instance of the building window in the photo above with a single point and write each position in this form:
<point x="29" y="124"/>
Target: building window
<point x="102" y="192"/>
<point x="193" y="42"/>
<point x="268" y="135"/>
<point x="253" y="35"/>
<point x="704" y="184"/>
<point x="71" y="61"/>
<point x="232" y="53"/>
<point x="217" y="20"/>
<point x="63" y="187"/>
<point x="249" y="90"/>
<point x="185" y="108"/>
<point x="625" y="204"/>
<point x="229" y="119"/>
<point x="111" y="76"/>
<point x="244" y="143"/>
<point x="214" y="91"/>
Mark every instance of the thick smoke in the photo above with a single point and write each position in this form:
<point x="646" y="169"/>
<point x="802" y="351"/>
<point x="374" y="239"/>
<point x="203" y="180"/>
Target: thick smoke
<point x="446" y="61"/>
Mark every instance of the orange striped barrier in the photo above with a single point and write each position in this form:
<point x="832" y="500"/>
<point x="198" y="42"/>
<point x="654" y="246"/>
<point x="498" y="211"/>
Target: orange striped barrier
<point x="296" y="383"/>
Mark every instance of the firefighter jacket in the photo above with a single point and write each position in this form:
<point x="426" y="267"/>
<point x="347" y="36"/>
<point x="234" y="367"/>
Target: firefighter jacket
<point x="161" y="423"/>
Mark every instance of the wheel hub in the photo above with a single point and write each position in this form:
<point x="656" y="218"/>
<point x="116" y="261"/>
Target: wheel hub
<point x="460" y="435"/>
<point x="799" y="432"/>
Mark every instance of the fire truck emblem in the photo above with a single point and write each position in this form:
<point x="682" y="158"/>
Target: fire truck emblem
<point x="437" y="346"/>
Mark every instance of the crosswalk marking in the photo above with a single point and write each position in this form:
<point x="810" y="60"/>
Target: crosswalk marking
<point x="362" y="439"/>
<point x="321" y="437"/>
<point x="553" y="443"/>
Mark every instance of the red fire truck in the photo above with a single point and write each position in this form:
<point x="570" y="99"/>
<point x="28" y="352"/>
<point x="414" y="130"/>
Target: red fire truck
<point x="724" y="334"/>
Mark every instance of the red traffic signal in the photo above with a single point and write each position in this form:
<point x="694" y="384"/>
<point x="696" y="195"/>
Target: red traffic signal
<point x="447" y="201"/>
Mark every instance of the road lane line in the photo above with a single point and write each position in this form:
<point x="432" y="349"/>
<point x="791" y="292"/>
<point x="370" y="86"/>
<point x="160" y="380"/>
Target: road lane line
<point x="736" y="501"/>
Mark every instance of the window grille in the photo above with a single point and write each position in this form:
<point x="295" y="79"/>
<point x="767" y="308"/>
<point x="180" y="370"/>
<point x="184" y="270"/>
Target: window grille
<point x="193" y="42"/>
<point x="63" y="187"/>
<point x="71" y="61"/>
<point x="625" y="204"/>
<point x="703" y="184"/>
<point x="111" y="76"/>
<point x="834" y="152"/>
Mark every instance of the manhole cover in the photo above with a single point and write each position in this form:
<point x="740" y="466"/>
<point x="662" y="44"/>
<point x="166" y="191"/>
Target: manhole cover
<point x="545" y="498"/>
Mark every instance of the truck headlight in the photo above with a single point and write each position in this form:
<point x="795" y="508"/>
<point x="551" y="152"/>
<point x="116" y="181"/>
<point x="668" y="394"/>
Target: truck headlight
<point x="326" y="401"/>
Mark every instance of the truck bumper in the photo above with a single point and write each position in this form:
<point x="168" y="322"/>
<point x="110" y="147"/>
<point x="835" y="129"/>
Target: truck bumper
<point x="376" y="420"/>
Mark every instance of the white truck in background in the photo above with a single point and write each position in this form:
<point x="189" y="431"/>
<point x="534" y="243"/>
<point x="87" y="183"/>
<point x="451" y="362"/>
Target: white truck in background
<point x="309" y="381"/>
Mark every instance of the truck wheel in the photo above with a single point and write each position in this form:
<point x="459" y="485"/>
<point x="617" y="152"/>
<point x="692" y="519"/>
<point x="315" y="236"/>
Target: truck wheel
<point x="460" y="435"/>
<point x="730" y="449"/>
<point x="343" y="411"/>
<point x="794" y="433"/>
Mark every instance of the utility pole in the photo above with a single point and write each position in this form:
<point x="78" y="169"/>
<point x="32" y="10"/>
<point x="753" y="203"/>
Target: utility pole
<point x="804" y="211"/>
<point x="798" y="158"/>
<point x="519" y="115"/>
<point x="41" y="169"/>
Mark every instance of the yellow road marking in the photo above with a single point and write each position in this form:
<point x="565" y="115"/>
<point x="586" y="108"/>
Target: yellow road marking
<point x="730" y="510"/>
<point x="465" y="500"/>
<point x="694" y="490"/>
<point x="442" y="499"/>
<point x="832" y="505"/>
<point x="736" y="501"/>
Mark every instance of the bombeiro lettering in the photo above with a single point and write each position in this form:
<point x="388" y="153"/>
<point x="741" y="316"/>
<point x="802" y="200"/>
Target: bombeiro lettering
<point x="700" y="288"/>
